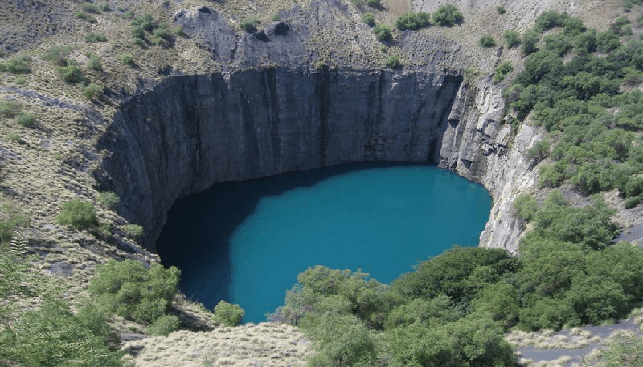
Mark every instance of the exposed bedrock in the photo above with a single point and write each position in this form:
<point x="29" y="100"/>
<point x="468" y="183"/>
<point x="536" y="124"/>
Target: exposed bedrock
<point x="192" y="131"/>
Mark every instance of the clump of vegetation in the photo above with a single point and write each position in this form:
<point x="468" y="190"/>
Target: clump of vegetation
<point x="95" y="37"/>
<point x="11" y="218"/>
<point x="77" y="214"/>
<point x="525" y="206"/>
<point x="227" y="314"/>
<point x="93" y="91"/>
<point x="502" y="71"/>
<point x="57" y="55"/>
<point x="530" y="41"/>
<point x="392" y="61"/>
<point x="21" y="81"/>
<point x="373" y="3"/>
<point x="412" y="21"/>
<point x="26" y="120"/>
<point x="382" y="32"/>
<point x="91" y="8"/>
<point x="9" y="108"/>
<point x="249" y="24"/>
<point x="447" y="15"/>
<point x="368" y="18"/>
<point x="16" y="65"/>
<point x="109" y="199"/>
<point x="145" y="21"/>
<point x="134" y="231"/>
<point x="512" y="38"/>
<point x="621" y="26"/>
<point x="104" y="6"/>
<point x="126" y="58"/>
<point x="85" y="16"/>
<point x="275" y="17"/>
<point x="487" y="41"/>
<point x="501" y="10"/>
<point x="164" y="325"/>
<point x="135" y="292"/>
<point x="71" y="73"/>
<point x="94" y="63"/>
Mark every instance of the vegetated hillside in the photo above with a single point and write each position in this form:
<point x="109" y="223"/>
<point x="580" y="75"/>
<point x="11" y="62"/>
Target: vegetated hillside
<point x="67" y="66"/>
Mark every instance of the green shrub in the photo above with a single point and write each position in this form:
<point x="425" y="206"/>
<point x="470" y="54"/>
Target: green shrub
<point x="412" y="21"/>
<point x="539" y="151"/>
<point x="512" y="38"/>
<point x="368" y="18"/>
<point x="104" y="6"/>
<point x="632" y="202"/>
<point x="77" y="214"/>
<point x="392" y="61"/>
<point x="91" y="8"/>
<point x="128" y="14"/>
<point x="10" y="219"/>
<point x="373" y="3"/>
<point x="26" y="119"/>
<point x="164" y="325"/>
<point x="93" y="91"/>
<point x="109" y="199"/>
<point x="249" y="24"/>
<point x="161" y="31"/>
<point x="501" y="71"/>
<point x="607" y="41"/>
<point x="71" y="73"/>
<point x="550" y="19"/>
<point x="487" y="41"/>
<point x="15" y="138"/>
<point x="9" y="108"/>
<point x="126" y="58"/>
<point x="94" y="63"/>
<point x="382" y="32"/>
<point x="138" y="32"/>
<point x="57" y="55"/>
<point x="85" y="16"/>
<point x="617" y="26"/>
<point x="139" y="42"/>
<point x="447" y="15"/>
<point x="179" y="30"/>
<point x="530" y="41"/>
<point x="95" y="37"/>
<point x="16" y="65"/>
<point x="275" y="17"/>
<point x="53" y="336"/>
<point x="134" y="231"/>
<point x="501" y="10"/>
<point x="21" y="81"/>
<point x="158" y="41"/>
<point x="145" y="21"/>
<point x="525" y="206"/>
<point x="133" y="291"/>
<point x="227" y="314"/>
<point x="624" y="350"/>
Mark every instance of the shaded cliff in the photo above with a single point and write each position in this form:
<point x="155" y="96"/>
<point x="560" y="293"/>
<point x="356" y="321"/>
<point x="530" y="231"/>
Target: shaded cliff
<point x="192" y="131"/>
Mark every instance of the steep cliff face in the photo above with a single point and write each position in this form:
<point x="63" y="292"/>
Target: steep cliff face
<point x="192" y="131"/>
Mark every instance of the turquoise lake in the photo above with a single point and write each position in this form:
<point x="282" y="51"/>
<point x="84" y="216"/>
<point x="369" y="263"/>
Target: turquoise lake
<point x="245" y="242"/>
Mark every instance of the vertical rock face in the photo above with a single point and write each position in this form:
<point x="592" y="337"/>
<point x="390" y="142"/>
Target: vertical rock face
<point x="192" y="131"/>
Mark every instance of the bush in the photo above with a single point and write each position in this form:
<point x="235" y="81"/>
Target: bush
<point x="94" y="63"/>
<point x="412" y="21"/>
<point x="138" y="32"/>
<point x="529" y="42"/>
<point x="373" y="3"/>
<point x="501" y="10"/>
<point x="550" y="19"/>
<point x="93" y="91"/>
<point x="487" y="41"/>
<point x="161" y="31"/>
<point x="164" y="325"/>
<point x="138" y="42"/>
<point x="447" y="15"/>
<point x="9" y="108"/>
<point x="227" y="314"/>
<point x="382" y="32"/>
<point x="90" y="8"/>
<point x="512" y="38"/>
<point x="368" y="18"/>
<point x="71" y="73"/>
<point x="539" y="151"/>
<point x="85" y="16"/>
<point x="249" y="24"/>
<point x="392" y="61"/>
<point x="275" y="17"/>
<point x="501" y="71"/>
<point x="95" y="37"/>
<point x="525" y="206"/>
<point x="16" y="65"/>
<point x="126" y="58"/>
<point x="57" y="55"/>
<point x="77" y="214"/>
<point x="21" y="81"/>
<point x="133" y="291"/>
<point x="145" y="21"/>
<point x="108" y="199"/>
<point x="10" y="219"/>
<point x="134" y="231"/>
<point x="26" y="119"/>
<point x="104" y="6"/>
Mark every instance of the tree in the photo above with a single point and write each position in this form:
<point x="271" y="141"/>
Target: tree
<point x="529" y="42"/>
<point x="227" y="314"/>
<point x="512" y="38"/>
<point x="368" y="18"/>
<point x="487" y="41"/>
<point x="412" y="21"/>
<point x="77" y="214"/>
<point x="382" y="32"/>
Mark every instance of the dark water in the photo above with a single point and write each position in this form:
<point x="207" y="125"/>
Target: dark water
<point x="245" y="242"/>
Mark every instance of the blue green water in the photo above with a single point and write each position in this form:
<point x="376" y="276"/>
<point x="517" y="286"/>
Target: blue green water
<point x="245" y="242"/>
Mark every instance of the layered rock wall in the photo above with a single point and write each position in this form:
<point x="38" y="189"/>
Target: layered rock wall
<point x="192" y="131"/>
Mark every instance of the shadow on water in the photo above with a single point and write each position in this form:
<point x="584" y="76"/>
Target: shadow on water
<point x="197" y="235"/>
